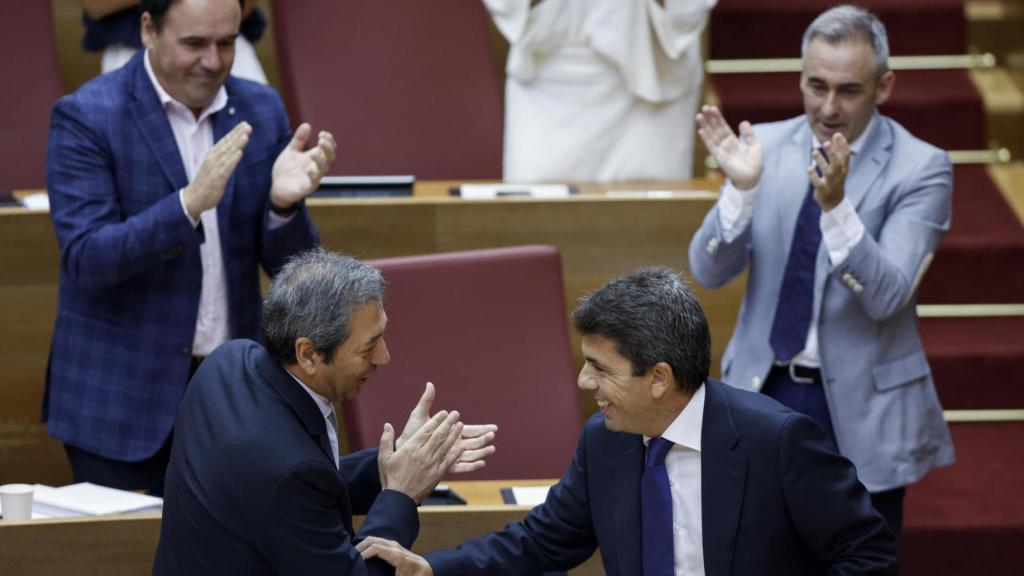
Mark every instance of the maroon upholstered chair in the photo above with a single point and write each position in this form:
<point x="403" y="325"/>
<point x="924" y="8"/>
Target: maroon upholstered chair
<point x="28" y="64"/>
<point x="406" y="87"/>
<point x="489" y="329"/>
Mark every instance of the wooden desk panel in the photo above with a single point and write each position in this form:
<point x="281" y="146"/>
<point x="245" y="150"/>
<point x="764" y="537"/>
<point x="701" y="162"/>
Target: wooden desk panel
<point x="126" y="545"/>
<point x="599" y="237"/>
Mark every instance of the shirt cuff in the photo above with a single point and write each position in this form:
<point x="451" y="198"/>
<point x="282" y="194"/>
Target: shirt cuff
<point x="735" y="208"/>
<point x="275" y="220"/>
<point x="181" y="198"/>
<point x="841" y="229"/>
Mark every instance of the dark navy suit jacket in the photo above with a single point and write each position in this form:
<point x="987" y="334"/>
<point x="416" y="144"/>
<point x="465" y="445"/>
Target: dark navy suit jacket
<point x="252" y="487"/>
<point x="130" y="273"/>
<point x="776" y="499"/>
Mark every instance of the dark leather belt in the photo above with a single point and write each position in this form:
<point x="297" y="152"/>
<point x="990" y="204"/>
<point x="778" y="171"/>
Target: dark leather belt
<point x="797" y="373"/>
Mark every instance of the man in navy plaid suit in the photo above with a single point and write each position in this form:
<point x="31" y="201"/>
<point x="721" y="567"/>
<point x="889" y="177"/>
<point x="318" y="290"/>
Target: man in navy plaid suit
<point x="170" y="184"/>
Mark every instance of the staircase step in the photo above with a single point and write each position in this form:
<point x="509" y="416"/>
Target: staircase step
<point x="759" y="29"/>
<point x="968" y="519"/>
<point x="1002" y="90"/>
<point x="1010" y="179"/>
<point x="981" y="259"/>
<point x="976" y="362"/>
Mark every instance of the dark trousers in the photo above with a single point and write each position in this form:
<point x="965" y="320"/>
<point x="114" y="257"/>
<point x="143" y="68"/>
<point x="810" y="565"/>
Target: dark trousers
<point x="809" y="398"/>
<point x="146" y="475"/>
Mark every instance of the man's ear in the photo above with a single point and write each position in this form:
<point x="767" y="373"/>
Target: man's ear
<point x="662" y="381"/>
<point x="885" y="84"/>
<point x="306" y="355"/>
<point x="148" y="31"/>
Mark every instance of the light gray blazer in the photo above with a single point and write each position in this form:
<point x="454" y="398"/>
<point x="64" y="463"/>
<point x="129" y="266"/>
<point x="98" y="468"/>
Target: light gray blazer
<point x="880" y="392"/>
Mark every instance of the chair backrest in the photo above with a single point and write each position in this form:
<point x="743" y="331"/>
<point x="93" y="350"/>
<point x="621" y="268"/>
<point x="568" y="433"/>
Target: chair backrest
<point x="28" y="63"/>
<point x="489" y="329"/>
<point x="406" y="87"/>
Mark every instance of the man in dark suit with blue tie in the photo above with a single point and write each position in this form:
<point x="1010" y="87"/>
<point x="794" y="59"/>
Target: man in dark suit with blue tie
<point x="678" y="474"/>
<point x="255" y="484"/>
<point x="171" y="184"/>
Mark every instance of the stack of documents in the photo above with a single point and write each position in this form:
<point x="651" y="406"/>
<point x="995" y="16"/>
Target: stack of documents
<point x="87" y="499"/>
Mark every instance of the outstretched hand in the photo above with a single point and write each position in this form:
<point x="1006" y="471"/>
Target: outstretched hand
<point x="474" y="442"/>
<point x="740" y="158"/>
<point x="297" y="171"/>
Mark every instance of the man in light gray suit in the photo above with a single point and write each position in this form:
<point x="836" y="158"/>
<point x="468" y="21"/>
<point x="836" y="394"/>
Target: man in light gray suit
<point x="838" y="213"/>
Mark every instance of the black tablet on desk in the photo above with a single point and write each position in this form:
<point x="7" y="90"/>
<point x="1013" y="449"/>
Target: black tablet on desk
<point x="364" y="186"/>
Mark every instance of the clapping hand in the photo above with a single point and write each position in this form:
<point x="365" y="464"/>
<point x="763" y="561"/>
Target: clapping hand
<point x="475" y="440"/>
<point x="207" y="188"/>
<point x="740" y="158"/>
<point x="297" y="171"/>
<point x="827" y="171"/>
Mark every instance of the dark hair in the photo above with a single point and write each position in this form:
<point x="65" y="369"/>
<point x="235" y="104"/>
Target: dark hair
<point x="158" y="10"/>
<point x="314" y="295"/>
<point x="652" y="316"/>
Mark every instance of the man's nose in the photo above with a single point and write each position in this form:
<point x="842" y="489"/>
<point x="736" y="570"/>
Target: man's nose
<point x="586" y="381"/>
<point x="211" y="58"/>
<point x="381" y="355"/>
<point x="830" y="105"/>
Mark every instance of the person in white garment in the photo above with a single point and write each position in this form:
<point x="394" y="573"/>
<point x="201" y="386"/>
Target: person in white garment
<point x="600" y="90"/>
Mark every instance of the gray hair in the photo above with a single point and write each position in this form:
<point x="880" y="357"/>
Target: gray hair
<point x="845" y="23"/>
<point x="314" y="295"/>
<point x="652" y="316"/>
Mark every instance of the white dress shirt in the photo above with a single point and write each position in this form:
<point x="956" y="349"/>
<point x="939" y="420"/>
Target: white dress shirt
<point x="326" y="408"/>
<point x="841" y="230"/>
<point x="194" y="137"/>
<point x="683" y="465"/>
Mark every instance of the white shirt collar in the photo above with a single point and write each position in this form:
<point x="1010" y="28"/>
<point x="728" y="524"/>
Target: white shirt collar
<point x="218" y="104"/>
<point x="322" y="402"/>
<point x="685" y="430"/>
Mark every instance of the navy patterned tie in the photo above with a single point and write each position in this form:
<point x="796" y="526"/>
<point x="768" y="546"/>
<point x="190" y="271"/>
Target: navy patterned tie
<point x="796" y="296"/>
<point x="656" y="511"/>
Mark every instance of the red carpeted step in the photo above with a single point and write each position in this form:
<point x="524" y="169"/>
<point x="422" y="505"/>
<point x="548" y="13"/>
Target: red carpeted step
<point x="976" y="362"/>
<point x="968" y="519"/>
<point x="942" y="107"/>
<point x="762" y="29"/>
<point x="981" y="259"/>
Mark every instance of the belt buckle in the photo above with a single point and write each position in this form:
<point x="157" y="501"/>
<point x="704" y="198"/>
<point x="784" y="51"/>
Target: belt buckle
<point x="798" y="379"/>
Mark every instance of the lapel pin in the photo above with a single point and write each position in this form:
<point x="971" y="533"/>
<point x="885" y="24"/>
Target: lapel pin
<point x="231" y="111"/>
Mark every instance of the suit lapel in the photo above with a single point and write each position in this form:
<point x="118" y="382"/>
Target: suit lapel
<point x="867" y="165"/>
<point x="625" y="467"/>
<point x="723" y="475"/>
<point x="149" y="116"/>
<point x="302" y="405"/>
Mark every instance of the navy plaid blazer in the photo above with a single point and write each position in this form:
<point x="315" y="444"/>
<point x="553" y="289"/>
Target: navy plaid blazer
<point x="130" y="272"/>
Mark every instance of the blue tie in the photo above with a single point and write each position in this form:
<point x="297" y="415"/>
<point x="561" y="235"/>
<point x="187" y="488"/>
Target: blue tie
<point x="796" y="296"/>
<point x="656" y="511"/>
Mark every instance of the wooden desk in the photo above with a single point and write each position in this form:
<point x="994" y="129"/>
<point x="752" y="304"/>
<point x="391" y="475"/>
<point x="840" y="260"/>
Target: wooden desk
<point x="126" y="545"/>
<point x="600" y="236"/>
